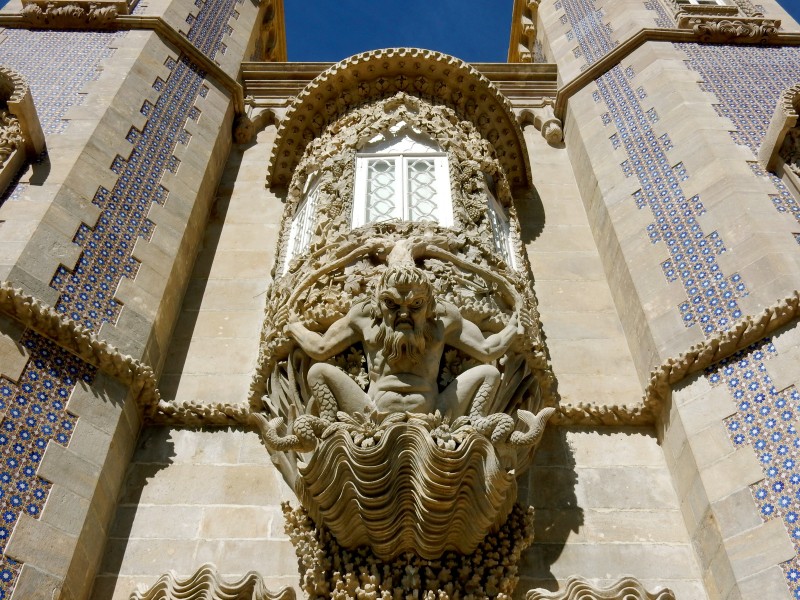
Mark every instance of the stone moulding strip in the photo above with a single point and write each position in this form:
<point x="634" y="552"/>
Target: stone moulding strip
<point x="167" y="32"/>
<point x="47" y="322"/>
<point x="618" y="54"/>
<point x="744" y="333"/>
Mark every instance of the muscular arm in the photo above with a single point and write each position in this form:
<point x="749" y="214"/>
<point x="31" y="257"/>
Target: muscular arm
<point x="466" y="336"/>
<point x="339" y="336"/>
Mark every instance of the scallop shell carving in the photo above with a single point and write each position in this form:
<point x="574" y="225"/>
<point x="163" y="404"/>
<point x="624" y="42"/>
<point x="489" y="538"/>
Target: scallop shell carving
<point x="406" y="494"/>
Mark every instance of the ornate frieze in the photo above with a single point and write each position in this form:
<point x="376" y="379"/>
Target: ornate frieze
<point x="10" y="136"/>
<point x="721" y="29"/>
<point x="70" y="15"/>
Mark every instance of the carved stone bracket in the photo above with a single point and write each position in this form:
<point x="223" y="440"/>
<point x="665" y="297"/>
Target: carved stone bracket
<point x="627" y="588"/>
<point x="207" y="584"/>
<point x="724" y="29"/>
<point x="781" y="141"/>
<point x="545" y="120"/>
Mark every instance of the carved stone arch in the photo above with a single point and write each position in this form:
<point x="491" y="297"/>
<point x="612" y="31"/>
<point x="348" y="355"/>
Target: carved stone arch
<point x="438" y="78"/>
<point x="21" y="136"/>
<point x="329" y="160"/>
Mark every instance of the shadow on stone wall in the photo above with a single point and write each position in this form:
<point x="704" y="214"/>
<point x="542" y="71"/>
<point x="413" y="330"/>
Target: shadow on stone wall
<point x="155" y="451"/>
<point x="549" y="487"/>
<point x="530" y="212"/>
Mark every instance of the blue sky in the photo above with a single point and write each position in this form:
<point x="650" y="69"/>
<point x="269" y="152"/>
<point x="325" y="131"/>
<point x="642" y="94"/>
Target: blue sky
<point x="472" y="30"/>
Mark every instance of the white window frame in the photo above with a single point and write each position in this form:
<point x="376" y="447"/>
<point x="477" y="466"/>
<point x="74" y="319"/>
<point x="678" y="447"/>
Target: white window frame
<point x="302" y="224"/>
<point x="502" y="236"/>
<point x="401" y="160"/>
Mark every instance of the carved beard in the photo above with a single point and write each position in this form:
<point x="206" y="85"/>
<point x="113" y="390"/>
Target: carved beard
<point x="398" y="345"/>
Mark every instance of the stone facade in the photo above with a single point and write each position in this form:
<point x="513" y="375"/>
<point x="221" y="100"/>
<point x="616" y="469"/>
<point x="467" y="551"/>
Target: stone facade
<point x="622" y="234"/>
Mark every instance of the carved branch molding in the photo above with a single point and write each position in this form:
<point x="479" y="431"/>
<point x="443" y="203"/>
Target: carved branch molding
<point x="65" y="332"/>
<point x="721" y="29"/>
<point x="744" y="333"/>
<point x="207" y="584"/>
<point x="627" y="588"/>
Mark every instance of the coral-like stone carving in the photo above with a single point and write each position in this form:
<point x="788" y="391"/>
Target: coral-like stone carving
<point x="627" y="588"/>
<point x="402" y="382"/>
<point x="206" y="584"/>
<point x="329" y="571"/>
<point x="70" y="15"/>
<point x="10" y="136"/>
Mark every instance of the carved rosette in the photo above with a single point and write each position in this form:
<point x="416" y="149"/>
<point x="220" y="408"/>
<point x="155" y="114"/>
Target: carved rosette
<point x="402" y="483"/>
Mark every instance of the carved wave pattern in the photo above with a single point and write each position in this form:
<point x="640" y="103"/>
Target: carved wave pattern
<point x="626" y="588"/>
<point x="399" y="488"/>
<point x="206" y="584"/>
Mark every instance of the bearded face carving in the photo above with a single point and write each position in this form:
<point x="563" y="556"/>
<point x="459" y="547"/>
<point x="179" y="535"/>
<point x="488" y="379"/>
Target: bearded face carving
<point x="407" y="353"/>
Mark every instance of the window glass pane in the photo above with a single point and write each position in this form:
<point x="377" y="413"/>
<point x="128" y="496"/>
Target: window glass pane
<point x="382" y="201"/>
<point x="500" y="229"/>
<point x="421" y="190"/>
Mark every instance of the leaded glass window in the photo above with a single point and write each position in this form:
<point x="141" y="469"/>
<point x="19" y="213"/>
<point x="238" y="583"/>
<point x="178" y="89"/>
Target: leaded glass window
<point x="501" y="231"/>
<point x="302" y="226"/>
<point x="404" y="178"/>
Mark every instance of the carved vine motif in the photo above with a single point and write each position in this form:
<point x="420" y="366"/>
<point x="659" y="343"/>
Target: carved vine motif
<point x="10" y="135"/>
<point x="207" y="584"/>
<point x="724" y="30"/>
<point x="78" y="15"/>
<point x="627" y="588"/>
<point x="329" y="571"/>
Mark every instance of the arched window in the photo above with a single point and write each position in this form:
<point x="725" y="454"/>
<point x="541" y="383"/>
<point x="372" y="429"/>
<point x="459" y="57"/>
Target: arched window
<point x="402" y="177"/>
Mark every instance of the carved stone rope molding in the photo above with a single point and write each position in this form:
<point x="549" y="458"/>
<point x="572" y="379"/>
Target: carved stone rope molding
<point x="45" y="321"/>
<point x="744" y="333"/>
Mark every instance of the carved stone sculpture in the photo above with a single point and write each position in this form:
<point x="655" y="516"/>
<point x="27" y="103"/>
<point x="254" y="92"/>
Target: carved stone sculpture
<point x="206" y="584"/>
<point x="402" y="384"/>
<point x="626" y="588"/>
<point x="10" y="136"/>
<point x="71" y="15"/>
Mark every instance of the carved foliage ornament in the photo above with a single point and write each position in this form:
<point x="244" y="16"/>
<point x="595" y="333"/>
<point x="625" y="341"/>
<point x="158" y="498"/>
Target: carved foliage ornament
<point x="69" y="16"/>
<point x="10" y="136"/>
<point x="402" y="370"/>
<point x="371" y="76"/>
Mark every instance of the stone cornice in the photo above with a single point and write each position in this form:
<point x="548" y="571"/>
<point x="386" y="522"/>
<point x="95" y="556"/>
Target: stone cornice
<point x="378" y="74"/>
<point x="627" y="47"/>
<point x="84" y="344"/>
<point x="153" y="23"/>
